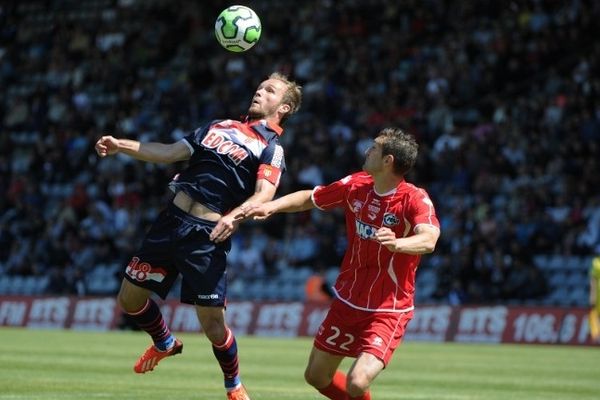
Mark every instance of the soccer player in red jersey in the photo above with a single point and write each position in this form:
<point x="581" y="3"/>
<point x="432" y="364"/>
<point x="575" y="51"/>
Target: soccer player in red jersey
<point x="390" y="223"/>
<point x="230" y="161"/>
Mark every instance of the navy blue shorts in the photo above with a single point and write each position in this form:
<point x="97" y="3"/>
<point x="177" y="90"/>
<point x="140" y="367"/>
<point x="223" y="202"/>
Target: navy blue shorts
<point x="178" y="243"/>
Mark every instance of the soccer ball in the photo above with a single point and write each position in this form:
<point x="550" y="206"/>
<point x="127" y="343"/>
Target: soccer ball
<point x="237" y="28"/>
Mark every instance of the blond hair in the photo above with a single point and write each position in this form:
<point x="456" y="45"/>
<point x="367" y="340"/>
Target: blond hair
<point x="292" y="96"/>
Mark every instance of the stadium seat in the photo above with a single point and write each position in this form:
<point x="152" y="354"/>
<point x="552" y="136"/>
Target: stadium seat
<point x="558" y="296"/>
<point x="541" y="261"/>
<point x="556" y="262"/>
<point x="236" y="290"/>
<point x="17" y="284"/>
<point x="5" y="283"/>
<point x="256" y="290"/>
<point x="578" y="297"/>
<point x="286" y="291"/>
<point x="29" y="285"/>
<point x="574" y="263"/>
<point x="557" y="278"/>
<point x="41" y="283"/>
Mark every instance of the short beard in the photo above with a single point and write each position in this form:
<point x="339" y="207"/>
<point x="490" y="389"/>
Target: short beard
<point x="255" y="115"/>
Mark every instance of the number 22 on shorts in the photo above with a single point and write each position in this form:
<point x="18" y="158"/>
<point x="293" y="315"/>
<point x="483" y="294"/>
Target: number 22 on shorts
<point x="340" y="342"/>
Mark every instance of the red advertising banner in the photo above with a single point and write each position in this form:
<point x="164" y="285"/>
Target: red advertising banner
<point x="547" y="326"/>
<point x="59" y="312"/>
<point x="481" y="324"/>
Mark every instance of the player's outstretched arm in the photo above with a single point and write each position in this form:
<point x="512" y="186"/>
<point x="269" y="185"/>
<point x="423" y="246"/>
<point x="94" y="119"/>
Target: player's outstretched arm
<point x="151" y="152"/>
<point x="228" y="224"/>
<point x="293" y="202"/>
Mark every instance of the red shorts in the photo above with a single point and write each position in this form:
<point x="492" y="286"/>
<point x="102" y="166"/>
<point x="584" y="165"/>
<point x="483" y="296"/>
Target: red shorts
<point x="349" y="332"/>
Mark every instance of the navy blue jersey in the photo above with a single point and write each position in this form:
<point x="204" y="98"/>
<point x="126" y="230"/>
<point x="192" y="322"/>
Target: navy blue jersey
<point x="228" y="157"/>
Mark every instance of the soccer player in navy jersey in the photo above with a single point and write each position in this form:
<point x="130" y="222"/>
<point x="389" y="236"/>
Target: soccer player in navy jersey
<point x="390" y="223"/>
<point x="229" y="162"/>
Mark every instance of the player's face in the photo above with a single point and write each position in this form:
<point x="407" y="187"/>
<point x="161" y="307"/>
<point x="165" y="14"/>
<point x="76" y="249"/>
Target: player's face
<point x="373" y="158"/>
<point x="267" y="99"/>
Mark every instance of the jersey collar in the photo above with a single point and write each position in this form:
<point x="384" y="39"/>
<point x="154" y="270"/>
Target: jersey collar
<point x="399" y="188"/>
<point x="272" y="126"/>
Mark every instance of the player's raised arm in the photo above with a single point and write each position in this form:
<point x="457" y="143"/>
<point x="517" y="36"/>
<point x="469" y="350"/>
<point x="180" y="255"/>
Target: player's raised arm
<point x="151" y="152"/>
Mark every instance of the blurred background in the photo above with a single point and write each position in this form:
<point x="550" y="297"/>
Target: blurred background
<point x="501" y="95"/>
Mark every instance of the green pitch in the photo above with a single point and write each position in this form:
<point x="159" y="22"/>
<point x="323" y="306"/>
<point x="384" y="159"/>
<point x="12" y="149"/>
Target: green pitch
<point x="39" y="364"/>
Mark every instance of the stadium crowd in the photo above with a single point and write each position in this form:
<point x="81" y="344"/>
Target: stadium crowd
<point x="502" y="97"/>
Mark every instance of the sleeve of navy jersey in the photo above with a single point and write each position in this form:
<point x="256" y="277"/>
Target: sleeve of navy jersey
<point x="272" y="163"/>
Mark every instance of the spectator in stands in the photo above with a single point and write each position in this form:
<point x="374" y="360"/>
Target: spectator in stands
<point x="316" y="287"/>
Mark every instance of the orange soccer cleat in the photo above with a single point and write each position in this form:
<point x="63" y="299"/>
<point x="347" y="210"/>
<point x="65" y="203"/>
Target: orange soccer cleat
<point x="239" y="393"/>
<point x="152" y="357"/>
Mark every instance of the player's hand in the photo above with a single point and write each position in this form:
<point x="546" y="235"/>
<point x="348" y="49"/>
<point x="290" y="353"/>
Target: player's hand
<point x="107" y="146"/>
<point x="225" y="227"/>
<point x="386" y="237"/>
<point x="258" y="212"/>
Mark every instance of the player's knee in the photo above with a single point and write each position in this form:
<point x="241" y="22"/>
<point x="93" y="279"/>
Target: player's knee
<point x="357" y="384"/>
<point x="214" y="330"/>
<point x="126" y="303"/>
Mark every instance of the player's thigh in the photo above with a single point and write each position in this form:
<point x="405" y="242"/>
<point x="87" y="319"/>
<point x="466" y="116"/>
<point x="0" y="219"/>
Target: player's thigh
<point x="202" y="264"/>
<point x="338" y="332"/>
<point x="321" y="367"/>
<point x="364" y="370"/>
<point x="152" y="266"/>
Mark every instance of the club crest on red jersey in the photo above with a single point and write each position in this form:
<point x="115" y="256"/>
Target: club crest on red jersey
<point x="390" y="219"/>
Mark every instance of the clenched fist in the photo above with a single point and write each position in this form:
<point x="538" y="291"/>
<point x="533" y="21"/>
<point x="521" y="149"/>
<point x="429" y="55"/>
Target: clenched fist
<point x="107" y="146"/>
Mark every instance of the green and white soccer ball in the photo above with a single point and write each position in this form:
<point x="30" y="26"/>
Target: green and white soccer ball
<point x="237" y="28"/>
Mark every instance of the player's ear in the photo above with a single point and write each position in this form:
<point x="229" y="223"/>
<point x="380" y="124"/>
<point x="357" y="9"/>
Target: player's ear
<point x="388" y="160"/>
<point x="284" y="108"/>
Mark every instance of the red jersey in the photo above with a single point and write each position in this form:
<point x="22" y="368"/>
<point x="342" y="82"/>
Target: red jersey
<point x="371" y="277"/>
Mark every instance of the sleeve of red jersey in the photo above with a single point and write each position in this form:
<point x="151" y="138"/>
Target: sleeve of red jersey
<point x="332" y="195"/>
<point x="422" y="211"/>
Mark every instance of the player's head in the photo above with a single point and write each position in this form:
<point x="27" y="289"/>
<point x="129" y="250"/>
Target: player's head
<point x="393" y="150"/>
<point x="275" y="98"/>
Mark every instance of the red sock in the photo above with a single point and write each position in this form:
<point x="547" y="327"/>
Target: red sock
<point x="336" y="390"/>
<point x="365" y="396"/>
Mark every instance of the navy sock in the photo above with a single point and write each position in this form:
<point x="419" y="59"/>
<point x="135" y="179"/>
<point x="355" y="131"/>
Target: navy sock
<point x="226" y="354"/>
<point x="150" y="319"/>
